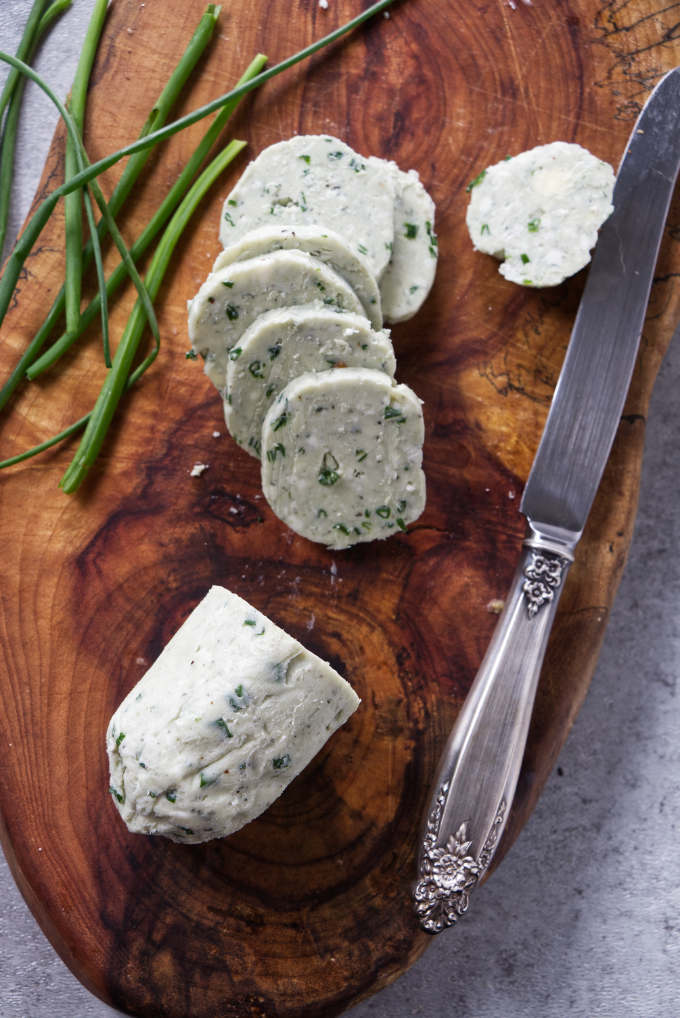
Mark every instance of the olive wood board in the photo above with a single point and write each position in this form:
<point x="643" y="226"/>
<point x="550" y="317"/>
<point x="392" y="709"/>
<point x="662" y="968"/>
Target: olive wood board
<point x="308" y="908"/>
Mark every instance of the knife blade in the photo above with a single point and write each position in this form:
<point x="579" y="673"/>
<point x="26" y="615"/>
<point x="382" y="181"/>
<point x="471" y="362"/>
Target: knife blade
<point x="478" y="773"/>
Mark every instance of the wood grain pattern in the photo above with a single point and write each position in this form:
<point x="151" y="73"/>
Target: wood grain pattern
<point x="307" y="909"/>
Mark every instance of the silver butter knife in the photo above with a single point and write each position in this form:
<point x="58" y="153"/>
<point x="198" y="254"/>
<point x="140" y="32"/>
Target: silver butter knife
<point x="480" y="766"/>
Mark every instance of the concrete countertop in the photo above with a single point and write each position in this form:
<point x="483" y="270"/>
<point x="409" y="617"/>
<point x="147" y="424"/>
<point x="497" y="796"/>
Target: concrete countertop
<point x="583" y="917"/>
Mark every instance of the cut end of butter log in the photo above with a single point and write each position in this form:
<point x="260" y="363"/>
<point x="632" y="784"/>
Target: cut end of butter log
<point x="230" y="712"/>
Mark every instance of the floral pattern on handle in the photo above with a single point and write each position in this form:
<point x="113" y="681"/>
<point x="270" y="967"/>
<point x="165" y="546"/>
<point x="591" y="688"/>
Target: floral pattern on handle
<point x="543" y="576"/>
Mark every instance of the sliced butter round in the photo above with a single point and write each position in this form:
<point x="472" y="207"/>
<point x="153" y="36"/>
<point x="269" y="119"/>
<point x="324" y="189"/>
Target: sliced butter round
<point x="312" y="179"/>
<point x="342" y="455"/>
<point x="540" y="212"/>
<point x="322" y="243"/>
<point x="409" y="275"/>
<point x="282" y="344"/>
<point x="230" y="300"/>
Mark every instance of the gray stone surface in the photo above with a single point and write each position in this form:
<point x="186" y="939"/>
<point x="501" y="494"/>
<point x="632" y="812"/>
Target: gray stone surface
<point x="583" y="917"/>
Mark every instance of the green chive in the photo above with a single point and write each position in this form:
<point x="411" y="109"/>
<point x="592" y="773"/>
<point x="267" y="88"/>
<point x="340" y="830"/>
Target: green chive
<point x="12" y="95"/>
<point x="116" y="380"/>
<point x="73" y="210"/>
<point x="478" y="179"/>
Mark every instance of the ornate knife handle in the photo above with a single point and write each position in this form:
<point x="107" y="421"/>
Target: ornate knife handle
<point x="481" y="762"/>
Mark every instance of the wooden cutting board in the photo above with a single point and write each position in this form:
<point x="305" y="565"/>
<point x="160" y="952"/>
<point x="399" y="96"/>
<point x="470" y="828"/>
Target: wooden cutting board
<point x="308" y="908"/>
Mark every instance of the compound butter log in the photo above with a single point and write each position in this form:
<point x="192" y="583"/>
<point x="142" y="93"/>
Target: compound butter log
<point x="307" y="909"/>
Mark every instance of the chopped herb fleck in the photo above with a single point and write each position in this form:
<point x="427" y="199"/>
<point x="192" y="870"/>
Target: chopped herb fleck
<point x="254" y="443"/>
<point x="279" y="763"/>
<point x="120" y="739"/>
<point x="485" y="228"/>
<point x="191" y="355"/>
<point x="274" y="351"/>
<point x="273" y="452"/>
<point x="362" y="249"/>
<point x="228" y="219"/>
<point x="206" y="781"/>
<point x="533" y="225"/>
<point x="171" y="795"/>
<point x="341" y="527"/>
<point x="239" y="690"/>
<point x="400" y="523"/>
<point x="270" y="390"/>
<point x="525" y="259"/>
<point x="401" y="505"/>
<point x="250" y="622"/>
<point x="185" y="830"/>
<point x="280" y="670"/>
<point x="478" y="179"/>
<point x="410" y="231"/>
<point x="306" y="159"/>
<point x="393" y="413"/>
<point x="228" y="283"/>
<point x="118" y="796"/>
<point x="434" y="243"/>
<point x="321" y="512"/>
<point x="328" y="473"/>
<point x="256" y="368"/>
<point x="232" y="202"/>
<point x="224" y="727"/>
<point x="232" y="312"/>
<point x="360" y="454"/>
<point x="383" y="511"/>
<point x="335" y="155"/>
<point x="235" y="353"/>
<point x="280" y="421"/>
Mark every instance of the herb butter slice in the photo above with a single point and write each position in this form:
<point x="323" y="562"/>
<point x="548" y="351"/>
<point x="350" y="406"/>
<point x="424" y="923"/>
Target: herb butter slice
<point x="540" y="211"/>
<point x="342" y="455"/>
<point x="409" y="276"/>
<point x="315" y="179"/>
<point x="231" y="299"/>
<point x="322" y="243"/>
<point x="282" y="344"/>
<point x="230" y="712"/>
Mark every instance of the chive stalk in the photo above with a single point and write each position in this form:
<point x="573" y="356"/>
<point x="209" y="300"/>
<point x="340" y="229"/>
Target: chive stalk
<point x="116" y="379"/>
<point x="128" y="178"/>
<point x="35" y="225"/>
<point x="24" y="51"/>
<point x="15" y="96"/>
<point x="73" y="208"/>
<point x="156" y="223"/>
